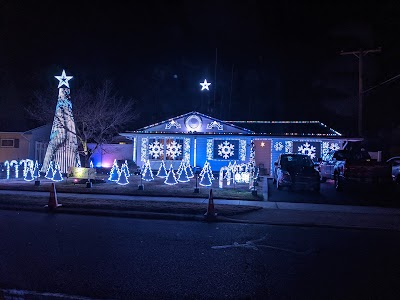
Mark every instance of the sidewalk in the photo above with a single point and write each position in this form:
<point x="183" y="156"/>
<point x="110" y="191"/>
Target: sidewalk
<point x="272" y="213"/>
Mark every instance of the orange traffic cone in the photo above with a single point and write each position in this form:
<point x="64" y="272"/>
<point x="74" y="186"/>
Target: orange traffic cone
<point x="53" y="203"/>
<point x="210" y="213"/>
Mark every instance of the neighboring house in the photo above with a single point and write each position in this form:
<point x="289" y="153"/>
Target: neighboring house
<point x="199" y="138"/>
<point x="30" y="144"/>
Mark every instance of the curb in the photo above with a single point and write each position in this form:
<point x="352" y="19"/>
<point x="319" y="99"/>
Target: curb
<point x="186" y="217"/>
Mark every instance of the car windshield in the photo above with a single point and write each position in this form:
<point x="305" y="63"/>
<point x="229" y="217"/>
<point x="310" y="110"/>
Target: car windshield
<point x="296" y="161"/>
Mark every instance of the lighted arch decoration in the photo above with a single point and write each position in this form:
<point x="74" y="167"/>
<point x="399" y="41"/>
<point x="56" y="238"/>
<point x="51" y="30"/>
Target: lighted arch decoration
<point x="193" y="123"/>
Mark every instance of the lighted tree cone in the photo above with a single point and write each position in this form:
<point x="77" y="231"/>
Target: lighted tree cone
<point x="114" y="172"/>
<point x="29" y="175"/>
<point x="162" y="171"/>
<point x="50" y="171"/>
<point x="189" y="171"/>
<point x="122" y="179"/>
<point x="124" y="168"/>
<point x="209" y="170"/>
<point x="147" y="172"/>
<point x="206" y="179"/>
<point x="183" y="176"/>
<point x="57" y="173"/>
<point x="204" y="169"/>
<point x="170" y="179"/>
<point x="36" y="172"/>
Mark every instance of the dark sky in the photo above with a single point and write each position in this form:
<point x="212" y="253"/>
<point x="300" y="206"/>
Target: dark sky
<point x="275" y="61"/>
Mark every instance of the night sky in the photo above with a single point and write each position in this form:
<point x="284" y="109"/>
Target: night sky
<point x="275" y="61"/>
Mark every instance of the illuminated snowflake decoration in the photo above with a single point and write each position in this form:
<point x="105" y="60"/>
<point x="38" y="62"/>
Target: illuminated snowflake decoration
<point x="307" y="149"/>
<point x="226" y="149"/>
<point x="278" y="146"/>
<point x="334" y="146"/>
<point x="288" y="147"/>
<point x="173" y="149"/>
<point x="156" y="149"/>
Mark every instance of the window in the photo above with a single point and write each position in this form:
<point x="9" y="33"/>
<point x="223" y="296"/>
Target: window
<point x="165" y="149"/>
<point x="10" y="143"/>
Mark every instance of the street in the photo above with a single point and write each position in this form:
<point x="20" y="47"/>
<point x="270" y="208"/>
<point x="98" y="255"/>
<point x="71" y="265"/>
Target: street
<point x="118" y="258"/>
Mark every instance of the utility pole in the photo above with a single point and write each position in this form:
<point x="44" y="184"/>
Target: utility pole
<point x="359" y="54"/>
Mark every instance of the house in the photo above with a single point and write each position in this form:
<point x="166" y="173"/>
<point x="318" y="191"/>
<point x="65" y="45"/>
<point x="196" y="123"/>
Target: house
<point x="30" y="144"/>
<point x="198" y="138"/>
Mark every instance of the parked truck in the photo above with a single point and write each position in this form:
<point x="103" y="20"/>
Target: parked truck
<point x="352" y="167"/>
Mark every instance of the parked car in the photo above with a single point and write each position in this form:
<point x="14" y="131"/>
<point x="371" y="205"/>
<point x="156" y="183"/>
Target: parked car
<point x="296" y="171"/>
<point x="355" y="167"/>
<point x="395" y="164"/>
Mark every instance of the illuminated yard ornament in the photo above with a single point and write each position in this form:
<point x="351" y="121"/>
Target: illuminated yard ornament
<point x="205" y="85"/>
<point x="206" y="175"/>
<point x="29" y="174"/>
<point x="50" y="171"/>
<point x="23" y="162"/>
<point x="114" y="172"/>
<point x="162" y="171"/>
<point x="36" y="172"/>
<point x="7" y="163"/>
<point x="15" y="164"/>
<point x="63" y="144"/>
<point x="170" y="179"/>
<point x="122" y="179"/>
<point x="57" y="173"/>
<point x="189" y="170"/>
<point x="91" y="164"/>
<point x="147" y="173"/>
<point x="182" y="174"/>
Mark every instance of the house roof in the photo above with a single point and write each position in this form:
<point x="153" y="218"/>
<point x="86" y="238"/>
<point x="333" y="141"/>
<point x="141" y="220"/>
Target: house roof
<point x="193" y="123"/>
<point x="198" y="123"/>
<point x="285" y="128"/>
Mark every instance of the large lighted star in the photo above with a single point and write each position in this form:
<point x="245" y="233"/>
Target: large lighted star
<point x="63" y="79"/>
<point x="204" y="85"/>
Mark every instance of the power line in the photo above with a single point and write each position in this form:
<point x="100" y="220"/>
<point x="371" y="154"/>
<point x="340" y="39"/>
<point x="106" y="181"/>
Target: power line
<point x="382" y="83"/>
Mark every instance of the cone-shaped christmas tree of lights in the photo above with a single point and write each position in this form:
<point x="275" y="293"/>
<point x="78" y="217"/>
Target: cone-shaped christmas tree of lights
<point x="50" y="171"/>
<point x="122" y="179"/>
<point x="36" y="172"/>
<point x="63" y="144"/>
<point x="182" y="175"/>
<point x="29" y="174"/>
<point x="124" y="168"/>
<point x="170" y="179"/>
<point x="147" y="173"/>
<point x="205" y="176"/>
<point x="57" y="173"/>
<point x="189" y="170"/>
<point x="162" y="171"/>
<point x="114" y="172"/>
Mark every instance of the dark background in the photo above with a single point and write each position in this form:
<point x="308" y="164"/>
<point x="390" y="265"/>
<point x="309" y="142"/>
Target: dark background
<point x="275" y="60"/>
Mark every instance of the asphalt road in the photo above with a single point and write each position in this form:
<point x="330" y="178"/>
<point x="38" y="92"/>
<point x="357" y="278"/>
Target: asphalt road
<point x="117" y="258"/>
<point x="360" y="195"/>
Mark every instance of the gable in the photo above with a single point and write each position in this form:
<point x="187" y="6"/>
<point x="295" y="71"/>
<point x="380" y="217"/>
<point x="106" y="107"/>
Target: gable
<point x="194" y="122"/>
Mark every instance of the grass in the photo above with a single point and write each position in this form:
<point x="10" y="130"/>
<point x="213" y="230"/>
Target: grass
<point x="151" y="188"/>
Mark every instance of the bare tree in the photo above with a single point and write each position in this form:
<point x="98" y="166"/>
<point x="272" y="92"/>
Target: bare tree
<point x="99" y="114"/>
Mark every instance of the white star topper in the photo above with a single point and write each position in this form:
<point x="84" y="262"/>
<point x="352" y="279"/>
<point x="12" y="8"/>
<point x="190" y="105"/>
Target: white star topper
<point x="63" y="79"/>
<point x="204" y="85"/>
